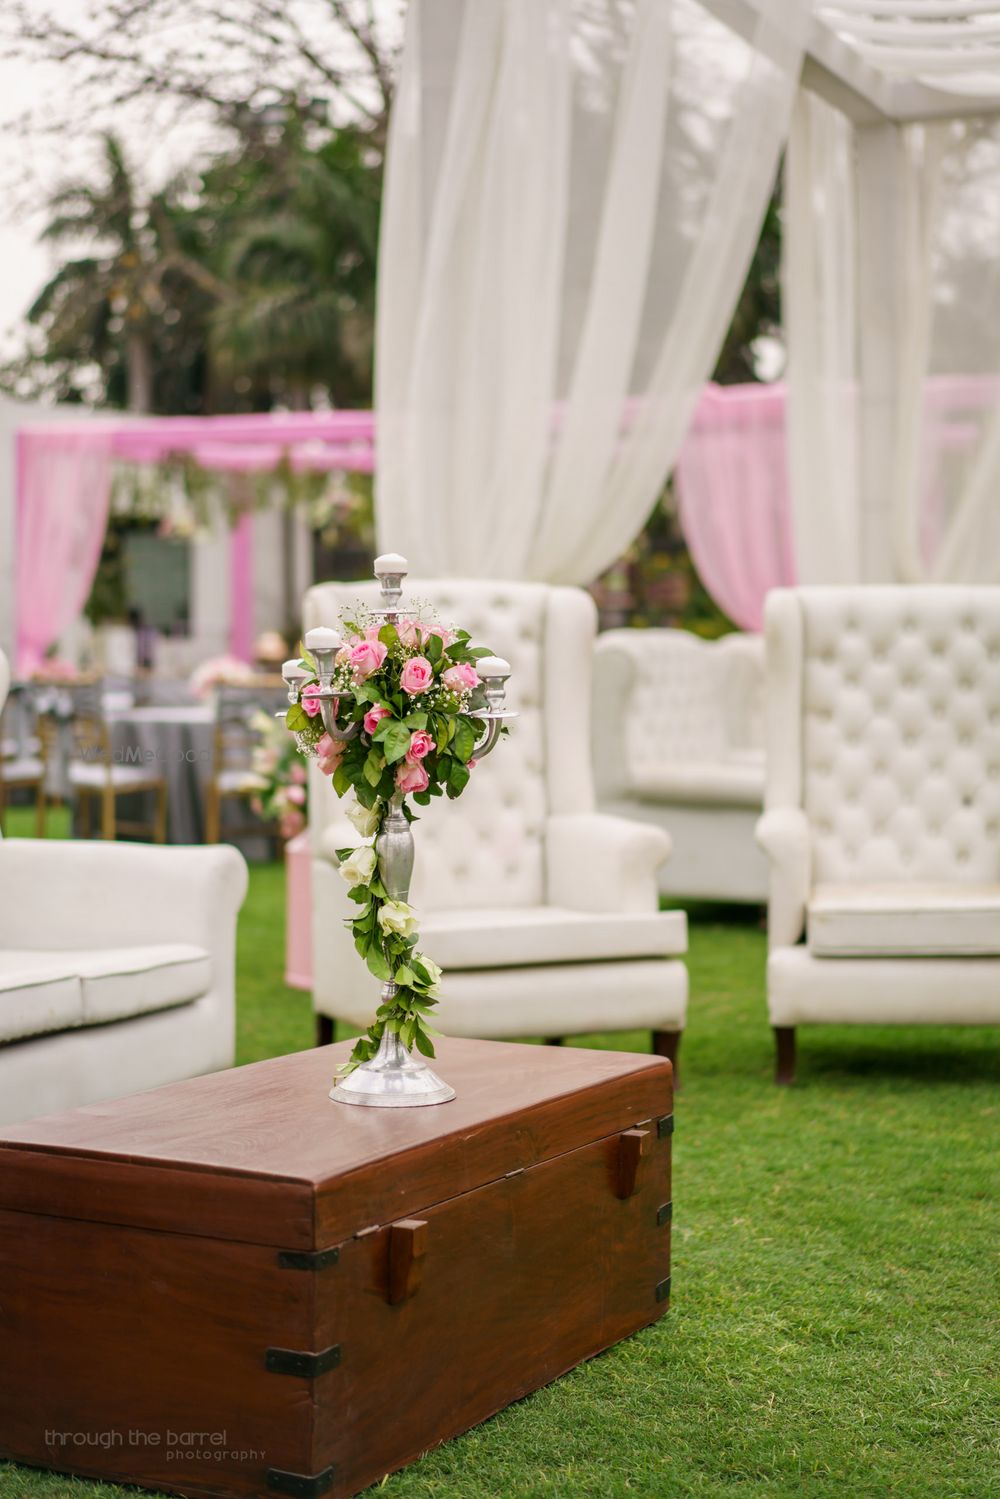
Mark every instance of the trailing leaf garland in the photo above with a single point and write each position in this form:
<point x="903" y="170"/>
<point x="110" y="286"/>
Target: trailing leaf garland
<point x="413" y="691"/>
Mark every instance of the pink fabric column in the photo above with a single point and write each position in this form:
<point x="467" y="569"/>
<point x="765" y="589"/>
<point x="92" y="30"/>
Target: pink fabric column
<point x="298" y="912"/>
<point x="732" y="487"/>
<point x="241" y="588"/>
<point x="63" y="494"/>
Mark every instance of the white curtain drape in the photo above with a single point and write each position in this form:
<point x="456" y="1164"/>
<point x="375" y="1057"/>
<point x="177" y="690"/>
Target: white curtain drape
<point x="892" y="309"/>
<point x="574" y="190"/>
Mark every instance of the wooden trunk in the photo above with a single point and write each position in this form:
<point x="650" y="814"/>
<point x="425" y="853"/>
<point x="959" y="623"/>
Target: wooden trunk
<point x="233" y="1286"/>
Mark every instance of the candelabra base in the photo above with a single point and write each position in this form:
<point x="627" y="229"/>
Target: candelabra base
<point x="393" y="1079"/>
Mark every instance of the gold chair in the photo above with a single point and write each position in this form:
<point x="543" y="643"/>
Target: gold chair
<point x="23" y="758"/>
<point x="94" y="772"/>
<point x="233" y="777"/>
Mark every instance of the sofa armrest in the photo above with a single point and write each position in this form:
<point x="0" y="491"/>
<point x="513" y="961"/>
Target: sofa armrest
<point x="783" y="833"/>
<point x="60" y="894"/>
<point x="613" y="685"/>
<point x="336" y="833"/>
<point x="602" y="863"/>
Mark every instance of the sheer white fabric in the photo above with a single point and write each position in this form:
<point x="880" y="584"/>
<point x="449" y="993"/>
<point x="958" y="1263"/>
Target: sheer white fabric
<point x="893" y="325"/>
<point x="574" y="190"/>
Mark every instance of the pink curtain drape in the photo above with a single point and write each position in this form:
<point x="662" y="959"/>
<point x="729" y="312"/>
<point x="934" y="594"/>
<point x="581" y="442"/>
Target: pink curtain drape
<point x="64" y="474"/>
<point x="63" y="492"/>
<point x="731" y="480"/>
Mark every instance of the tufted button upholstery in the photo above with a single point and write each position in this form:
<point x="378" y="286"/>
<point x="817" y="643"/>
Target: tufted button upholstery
<point x="487" y="850"/>
<point x="900" y="729"/>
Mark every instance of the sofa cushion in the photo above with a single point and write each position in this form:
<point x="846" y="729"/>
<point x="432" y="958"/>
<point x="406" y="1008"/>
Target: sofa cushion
<point x="738" y="782"/>
<point x="907" y="920"/>
<point x="505" y="938"/>
<point x="51" y="991"/>
<point x="38" y="993"/>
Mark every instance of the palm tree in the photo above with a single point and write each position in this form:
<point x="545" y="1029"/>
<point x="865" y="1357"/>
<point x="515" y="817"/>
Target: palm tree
<point x="108" y="305"/>
<point x="298" y="259"/>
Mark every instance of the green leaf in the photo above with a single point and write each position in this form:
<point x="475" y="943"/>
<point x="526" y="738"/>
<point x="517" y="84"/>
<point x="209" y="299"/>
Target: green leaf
<point x="433" y="649"/>
<point x="341" y="779"/>
<point x="458" y="778"/>
<point x="424" y="1043"/>
<point x="416" y="721"/>
<point x="388" y="635"/>
<point x="396" y="741"/>
<point x="344" y="853"/>
<point x="296" y="719"/>
<point x="422" y="798"/>
<point x="358" y="894"/>
<point x="366" y="795"/>
<point x="407" y="1031"/>
<point x="377" y="964"/>
<point x="465" y="739"/>
<point x="373" y="767"/>
<point x="404" y="976"/>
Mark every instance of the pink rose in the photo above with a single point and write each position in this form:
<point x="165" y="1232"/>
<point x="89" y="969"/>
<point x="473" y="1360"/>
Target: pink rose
<point x="412" y="777"/>
<point x="409" y="631"/>
<point x="461" y="677"/>
<point x="421" y="745"/>
<point x="310" y="699"/>
<point x="445" y="636"/>
<point x="471" y="764"/>
<point x="367" y="656"/>
<point x="296" y="795"/>
<point x="416" y="676"/>
<point x="343" y="655"/>
<point x="374" y="717"/>
<point x="329" y="753"/>
<point x="372" y="632"/>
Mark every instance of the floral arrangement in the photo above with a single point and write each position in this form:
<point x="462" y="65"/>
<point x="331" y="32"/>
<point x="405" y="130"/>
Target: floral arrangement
<point x="219" y="669"/>
<point x="283" y="796"/>
<point x="411" y="692"/>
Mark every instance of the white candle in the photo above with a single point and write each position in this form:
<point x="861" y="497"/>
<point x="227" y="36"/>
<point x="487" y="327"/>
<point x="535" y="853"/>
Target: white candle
<point x="293" y="672"/>
<point x="323" y="639"/>
<point x="493" y="666"/>
<point x="391" y="562"/>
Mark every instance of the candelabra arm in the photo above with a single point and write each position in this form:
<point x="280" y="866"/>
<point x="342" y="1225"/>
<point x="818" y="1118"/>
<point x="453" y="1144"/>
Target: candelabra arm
<point x="490" y="739"/>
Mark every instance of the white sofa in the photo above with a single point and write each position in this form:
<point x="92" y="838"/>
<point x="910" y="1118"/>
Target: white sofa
<point x="678" y="742"/>
<point x="116" y="967"/>
<point x="882" y="820"/>
<point x="543" y="912"/>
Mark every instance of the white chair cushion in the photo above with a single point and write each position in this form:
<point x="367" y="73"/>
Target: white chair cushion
<point x="506" y="938"/>
<point x="38" y="992"/>
<point x="49" y="991"/>
<point x="727" y="784"/>
<point x="121" y="775"/>
<point x="22" y="770"/>
<point x="918" y="920"/>
<point x="240" y="781"/>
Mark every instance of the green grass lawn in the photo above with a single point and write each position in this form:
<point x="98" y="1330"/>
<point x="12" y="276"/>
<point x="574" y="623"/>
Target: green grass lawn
<point x="835" y="1319"/>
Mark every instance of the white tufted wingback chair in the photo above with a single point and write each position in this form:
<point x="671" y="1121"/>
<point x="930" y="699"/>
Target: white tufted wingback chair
<point x="543" y="913"/>
<point x="882" y="818"/>
<point x="678" y="742"/>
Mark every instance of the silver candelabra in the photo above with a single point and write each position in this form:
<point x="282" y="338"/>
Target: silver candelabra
<point x="394" y="1078"/>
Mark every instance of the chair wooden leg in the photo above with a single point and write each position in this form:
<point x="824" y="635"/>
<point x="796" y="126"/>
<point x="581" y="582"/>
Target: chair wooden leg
<point x="212" y="815"/>
<point x="555" y="1040"/>
<point x="83" y="805"/>
<point x="784" y="1055"/>
<point x="160" y="822"/>
<point x="40" y="810"/>
<point x="3" y="809"/>
<point x="326" y="1030"/>
<point x="668" y="1044"/>
<point x="108" y="812"/>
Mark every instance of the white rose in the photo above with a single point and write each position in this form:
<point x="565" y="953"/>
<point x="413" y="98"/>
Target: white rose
<point x="365" y="819"/>
<point x="397" y="917"/>
<point x="359" y="868"/>
<point x="433" y="969"/>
